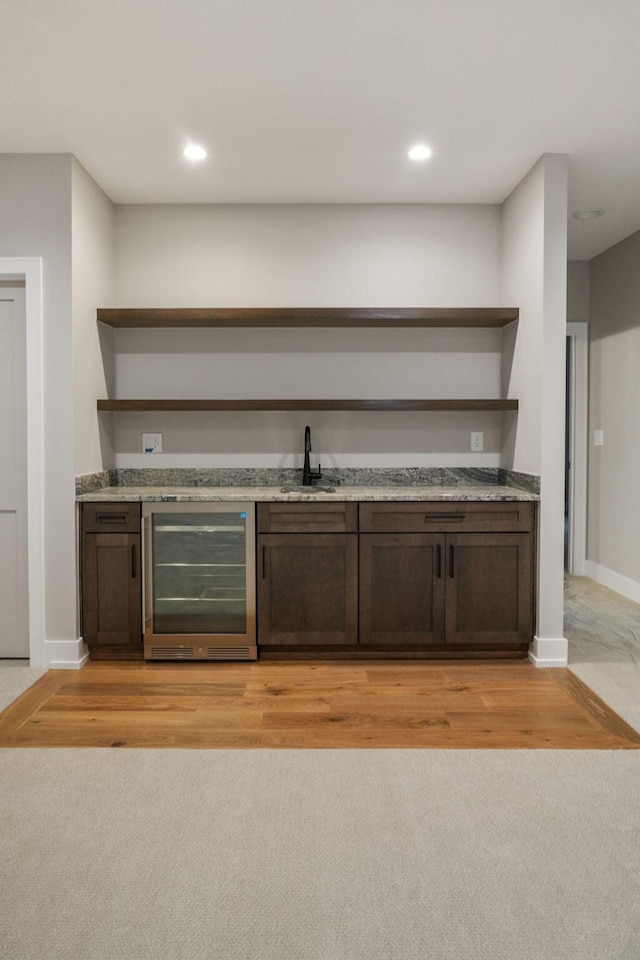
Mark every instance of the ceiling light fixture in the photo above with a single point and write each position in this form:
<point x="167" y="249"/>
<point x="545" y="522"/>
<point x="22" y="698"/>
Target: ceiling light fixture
<point x="194" y="152"/>
<point x="420" y="152"/>
<point x="588" y="214"/>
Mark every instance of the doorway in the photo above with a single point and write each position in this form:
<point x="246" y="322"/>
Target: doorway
<point x="575" y="504"/>
<point x="25" y="274"/>
<point x="14" y="620"/>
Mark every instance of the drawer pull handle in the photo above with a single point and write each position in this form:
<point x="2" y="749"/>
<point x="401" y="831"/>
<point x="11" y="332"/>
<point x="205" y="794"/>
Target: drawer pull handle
<point x="111" y="517"/>
<point x="439" y="562"/>
<point x="455" y="517"/>
<point x="134" y="566"/>
<point x="451" y="560"/>
<point x="264" y="563"/>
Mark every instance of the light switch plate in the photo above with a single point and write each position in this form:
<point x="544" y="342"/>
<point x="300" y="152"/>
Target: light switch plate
<point x="477" y="442"/>
<point x="598" y="438"/>
<point x="152" y="443"/>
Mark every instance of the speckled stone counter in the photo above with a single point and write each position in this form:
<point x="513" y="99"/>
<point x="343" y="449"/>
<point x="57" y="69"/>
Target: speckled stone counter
<point x="414" y="492"/>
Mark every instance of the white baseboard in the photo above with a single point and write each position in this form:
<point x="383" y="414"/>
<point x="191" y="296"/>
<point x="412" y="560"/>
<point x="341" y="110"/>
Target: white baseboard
<point x="615" y="581"/>
<point x="549" y="652"/>
<point x="65" y="654"/>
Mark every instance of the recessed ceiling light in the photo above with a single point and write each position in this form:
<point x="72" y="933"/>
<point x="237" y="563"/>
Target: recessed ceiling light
<point x="194" y="152"/>
<point x="588" y="214"/>
<point x="420" y="152"/>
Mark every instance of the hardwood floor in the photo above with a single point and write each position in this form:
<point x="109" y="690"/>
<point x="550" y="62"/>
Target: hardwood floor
<point x="313" y="705"/>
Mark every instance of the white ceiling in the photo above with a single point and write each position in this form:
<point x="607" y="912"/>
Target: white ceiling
<point x="317" y="101"/>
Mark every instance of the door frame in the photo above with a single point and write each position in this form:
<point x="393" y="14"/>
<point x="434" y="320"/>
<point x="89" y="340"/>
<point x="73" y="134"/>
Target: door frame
<point x="578" y="345"/>
<point x="29" y="271"/>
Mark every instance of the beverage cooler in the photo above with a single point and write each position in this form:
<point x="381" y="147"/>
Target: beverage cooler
<point x="199" y="581"/>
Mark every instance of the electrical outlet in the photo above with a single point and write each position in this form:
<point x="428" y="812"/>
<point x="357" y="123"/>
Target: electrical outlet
<point x="477" y="442"/>
<point x="152" y="443"/>
<point x="598" y="438"/>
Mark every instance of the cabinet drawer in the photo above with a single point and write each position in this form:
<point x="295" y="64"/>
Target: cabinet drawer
<point x="307" y="517"/>
<point x="111" y="517"/>
<point x="446" y="517"/>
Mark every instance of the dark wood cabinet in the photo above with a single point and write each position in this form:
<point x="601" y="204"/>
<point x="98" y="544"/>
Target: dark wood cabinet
<point x="431" y="579"/>
<point x="112" y="583"/>
<point x="449" y="516"/>
<point x="489" y="588"/>
<point x="307" y="590"/>
<point x="472" y="590"/>
<point x="308" y="517"/>
<point x="340" y="580"/>
<point x="402" y="589"/>
<point x="111" y="517"/>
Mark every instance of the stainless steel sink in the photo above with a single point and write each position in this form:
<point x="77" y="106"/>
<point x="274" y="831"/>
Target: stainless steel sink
<point x="313" y="489"/>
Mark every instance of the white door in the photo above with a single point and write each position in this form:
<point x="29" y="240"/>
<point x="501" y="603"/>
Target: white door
<point x="14" y="627"/>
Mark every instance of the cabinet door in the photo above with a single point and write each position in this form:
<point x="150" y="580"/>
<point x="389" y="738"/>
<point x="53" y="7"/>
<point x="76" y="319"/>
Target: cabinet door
<point x="307" y="589"/>
<point x="401" y="589"/>
<point x="111" y="590"/>
<point x="489" y="595"/>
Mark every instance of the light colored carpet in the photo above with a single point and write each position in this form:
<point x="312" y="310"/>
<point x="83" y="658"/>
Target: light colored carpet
<point x="319" y="855"/>
<point x="16" y="676"/>
<point x="603" y="629"/>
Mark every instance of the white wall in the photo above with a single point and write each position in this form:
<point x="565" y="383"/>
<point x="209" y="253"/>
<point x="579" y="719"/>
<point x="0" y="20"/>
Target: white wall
<point x="315" y="364"/>
<point x="308" y="255"/>
<point x="535" y="278"/>
<point x="578" y="294"/>
<point x="613" y="533"/>
<point x="93" y="250"/>
<point x="522" y="284"/>
<point x="318" y="255"/>
<point x="35" y="221"/>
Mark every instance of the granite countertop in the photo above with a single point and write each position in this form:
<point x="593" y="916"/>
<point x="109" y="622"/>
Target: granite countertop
<point x="471" y="492"/>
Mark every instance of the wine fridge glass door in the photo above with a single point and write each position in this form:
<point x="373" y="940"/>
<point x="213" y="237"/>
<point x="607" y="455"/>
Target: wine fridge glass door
<point x="201" y="580"/>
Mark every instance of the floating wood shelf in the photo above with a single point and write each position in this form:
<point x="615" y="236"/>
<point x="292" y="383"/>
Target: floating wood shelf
<point x="142" y="405"/>
<point x="309" y="317"/>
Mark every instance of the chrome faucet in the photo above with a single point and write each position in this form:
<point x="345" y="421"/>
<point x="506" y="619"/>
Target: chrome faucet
<point x="309" y="476"/>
